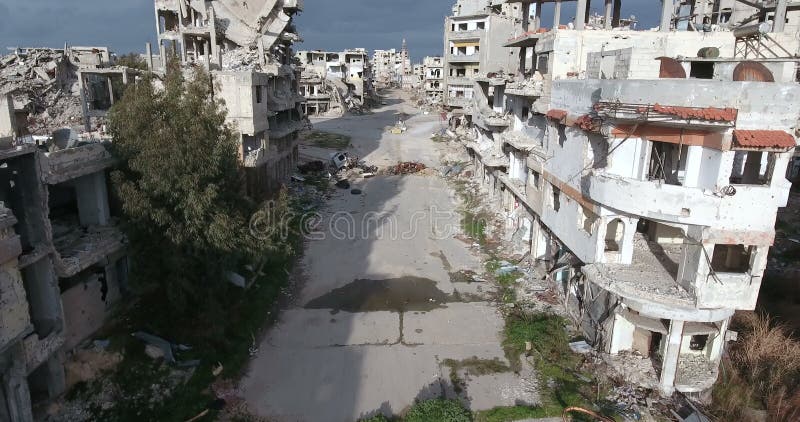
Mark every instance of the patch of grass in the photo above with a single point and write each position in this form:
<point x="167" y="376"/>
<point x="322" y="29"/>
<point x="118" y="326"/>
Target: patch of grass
<point x="438" y="410"/>
<point x="474" y="225"/>
<point x="556" y="364"/>
<point x="327" y="140"/>
<point x="515" y="413"/>
<point x="473" y="366"/>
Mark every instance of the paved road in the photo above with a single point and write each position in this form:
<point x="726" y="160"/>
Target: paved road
<point x="376" y="312"/>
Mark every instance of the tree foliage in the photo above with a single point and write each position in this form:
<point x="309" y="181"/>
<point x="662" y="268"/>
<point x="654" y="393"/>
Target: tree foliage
<point x="180" y="188"/>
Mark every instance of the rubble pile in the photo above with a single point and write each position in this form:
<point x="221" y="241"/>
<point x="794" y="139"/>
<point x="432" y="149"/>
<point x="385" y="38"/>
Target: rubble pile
<point x="406" y="168"/>
<point x="241" y="58"/>
<point x="44" y="85"/>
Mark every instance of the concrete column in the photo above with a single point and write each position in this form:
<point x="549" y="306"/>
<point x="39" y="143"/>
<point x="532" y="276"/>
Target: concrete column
<point x="212" y="17"/>
<point x="87" y="124"/>
<point x="523" y="53"/>
<point x="608" y="13"/>
<point x="557" y="14"/>
<point x="580" y="14"/>
<point x="110" y="90"/>
<point x="615" y="13"/>
<point x="15" y="385"/>
<point x="780" y="16"/>
<point x="699" y="11"/>
<point x="163" y="52"/>
<point x="672" y="350"/>
<point x="667" y="8"/>
<point x="149" y="51"/>
<point x="526" y="16"/>
<point x="92" y="197"/>
<point x="537" y="21"/>
<point x="718" y="346"/>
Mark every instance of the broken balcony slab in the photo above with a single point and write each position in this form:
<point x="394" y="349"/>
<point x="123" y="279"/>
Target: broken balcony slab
<point x="78" y="248"/>
<point x="71" y="163"/>
<point x="651" y="276"/>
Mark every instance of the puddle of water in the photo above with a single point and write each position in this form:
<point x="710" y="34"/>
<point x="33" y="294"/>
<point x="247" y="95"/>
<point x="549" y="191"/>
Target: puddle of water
<point x="395" y="294"/>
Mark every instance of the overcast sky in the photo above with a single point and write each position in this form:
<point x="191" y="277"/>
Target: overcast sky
<point x="126" y="25"/>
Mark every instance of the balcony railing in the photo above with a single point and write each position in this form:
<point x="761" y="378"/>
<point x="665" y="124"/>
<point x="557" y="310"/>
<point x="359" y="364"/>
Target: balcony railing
<point x="464" y="35"/>
<point x="464" y="58"/>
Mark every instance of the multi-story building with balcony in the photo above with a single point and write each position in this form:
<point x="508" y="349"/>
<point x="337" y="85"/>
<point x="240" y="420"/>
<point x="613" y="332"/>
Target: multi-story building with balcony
<point x="473" y="45"/>
<point x="63" y="262"/>
<point x="644" y="169"/>
<point x="333" y="82"/>
<point x="260" y="86"/>
<point x="433" y="79"/>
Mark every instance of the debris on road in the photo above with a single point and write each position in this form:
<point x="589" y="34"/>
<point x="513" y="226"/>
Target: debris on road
<point x="343" y="184"/>
<point x="356" y="191"/>
<point x="406" y="168"/>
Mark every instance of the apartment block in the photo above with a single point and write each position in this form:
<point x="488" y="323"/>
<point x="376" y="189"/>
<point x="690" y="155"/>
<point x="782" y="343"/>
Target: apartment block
<point x="433" y="79"/>
<point x="335" y="82"/>
<point x="644" y="170"/>
<point x="473" y="45"/>
<point x="260" y="85"/>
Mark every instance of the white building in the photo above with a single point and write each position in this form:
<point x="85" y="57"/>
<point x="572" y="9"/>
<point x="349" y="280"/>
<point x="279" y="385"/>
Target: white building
<point x="645" y="177"/>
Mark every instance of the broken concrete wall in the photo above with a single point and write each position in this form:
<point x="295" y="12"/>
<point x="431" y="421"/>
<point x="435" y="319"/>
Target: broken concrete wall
<point x="8" y="121"/>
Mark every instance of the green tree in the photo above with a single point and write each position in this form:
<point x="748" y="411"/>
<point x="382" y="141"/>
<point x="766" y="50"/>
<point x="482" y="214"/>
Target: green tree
<point x="179" y="184"/>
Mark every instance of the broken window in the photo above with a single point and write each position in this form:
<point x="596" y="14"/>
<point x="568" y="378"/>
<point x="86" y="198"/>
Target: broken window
<point x="461" y="72"/>
<point x="731" y="258"/>
<point x="698" y="342"/>
<point x="702" y="70"/>
<point x="587" y="219"/>
<point x="615" y="230"/>
<point x="541" y="63"/>
<point x="462" y="27"/>
<point x="526" y="113"/>
<point x="536" y="178"/>
<point x="667" y="163"/>
<point x="556" y="200"/>
<point x="257" y="88"/>
<point x="752" y="168"/>
<point x="562" y="134"/>
<point x="481" y="25"/>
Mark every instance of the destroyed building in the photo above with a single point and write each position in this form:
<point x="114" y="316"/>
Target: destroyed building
<point x="643" y="169"/>
<point x="248" y="48"/>
<point x="433" y="79"/>
<point x="64" y="262"/>
<point x="391" y="67"/>
<point x="473" y="45"/>
<point x="335" y="82"/>
<point x="52" y="89"/>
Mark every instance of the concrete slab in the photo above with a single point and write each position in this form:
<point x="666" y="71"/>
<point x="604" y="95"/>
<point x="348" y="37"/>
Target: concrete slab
<point x="300" y="328"/>
<point x="459" y="323"/>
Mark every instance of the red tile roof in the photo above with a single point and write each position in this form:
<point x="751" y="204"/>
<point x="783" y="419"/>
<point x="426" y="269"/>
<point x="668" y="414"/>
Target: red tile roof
<point x="587" y="123"/>
<point x="707" y="113"/>
<point x="556" y="114"/>
<point x="763" y="139"/>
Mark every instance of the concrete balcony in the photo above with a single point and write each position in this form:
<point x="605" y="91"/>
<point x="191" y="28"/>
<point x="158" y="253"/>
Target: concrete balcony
<point x="70" y="163"/>
<point x="674" y="203"/>
<point x="82" y="247"/>
<point x="489" y="120"/>
<point x="465" y="58"/>
<point x="474" y="34"/>
<point x="460" y="80"/>
<point x="458" y="101"/>
<point x="527" y="88"/>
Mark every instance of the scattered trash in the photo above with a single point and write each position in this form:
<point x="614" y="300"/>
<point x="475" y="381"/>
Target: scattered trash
<point x="367" y="175"/>
<point x="343" y="184"/>
<point x="160" y="343"/>
<point x="506" y="268"/>
<point x="298" y="178"/>
<point x="217" y="369"/>
<point x="406" y="168"/>
<point x="153" y="352"/>
<point x="581" y="347"/>
<point x="253" y="349"/>
<point x="355" y="191"/>
<point x="215" y="405"/>
<point x="311" y="167"/>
